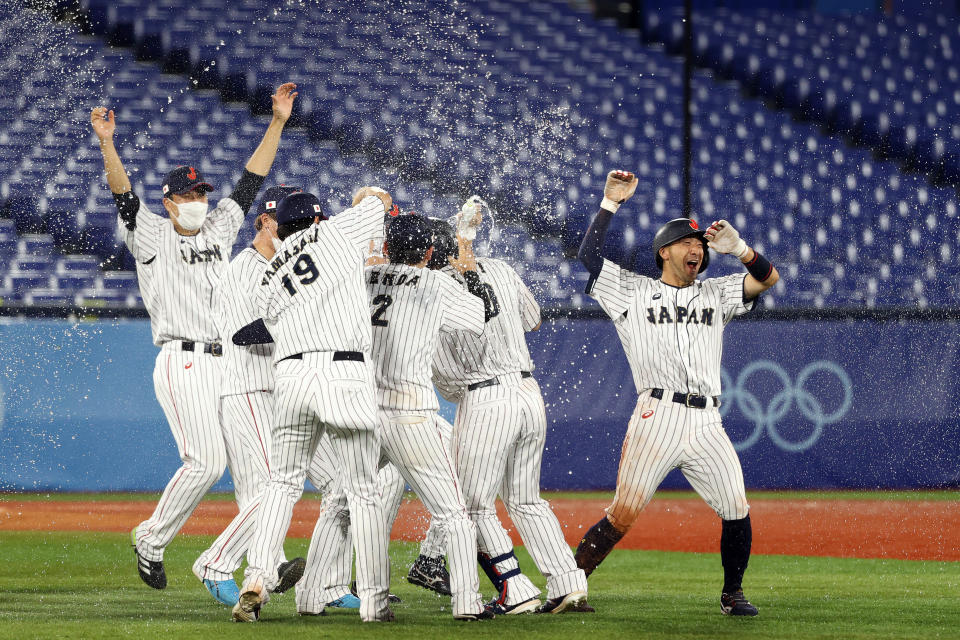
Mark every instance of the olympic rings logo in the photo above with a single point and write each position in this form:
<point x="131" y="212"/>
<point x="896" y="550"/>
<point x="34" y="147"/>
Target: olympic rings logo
<point x="766" y="418"/>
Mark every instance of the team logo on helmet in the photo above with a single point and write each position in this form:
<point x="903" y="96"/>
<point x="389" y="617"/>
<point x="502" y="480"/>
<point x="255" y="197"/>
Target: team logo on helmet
<point x="694" y="226"/>
<point x="192" y="174"/>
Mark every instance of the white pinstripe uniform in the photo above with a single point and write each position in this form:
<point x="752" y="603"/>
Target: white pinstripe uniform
<point x="499" y="435"/>
<point x="178" y="277"/>
<point x="313" y="301"/>
<point x="410" y="308"/>
<point x="673" y="338"/>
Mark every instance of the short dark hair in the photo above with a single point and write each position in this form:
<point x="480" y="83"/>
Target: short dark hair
<point x="408" y="239"/>
<point x="290" y="228"/>
<point x="258" y="224"/>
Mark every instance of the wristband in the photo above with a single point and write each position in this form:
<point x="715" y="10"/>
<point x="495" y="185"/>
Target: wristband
<point x="744" y="249"/>
<point x="609" y="205"/>
<point x="759" y="267"/>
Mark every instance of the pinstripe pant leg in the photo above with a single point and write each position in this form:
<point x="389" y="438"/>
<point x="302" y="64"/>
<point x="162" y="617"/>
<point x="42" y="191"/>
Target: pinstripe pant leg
<point x="391" y="491"/>
<point x="188" y="389"/>
<point x="435" y="540"/>
<point x="652" y="447"/>
<point x="330" y="557"/>
<point x="532" y="515"/>
<point x="485" y="431"/>
<point x="713" y="468"/>
<point x="413" y="443"/>
<point x="296" y="433"/>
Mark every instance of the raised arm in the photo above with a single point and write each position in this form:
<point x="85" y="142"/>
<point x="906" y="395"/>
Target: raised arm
<point x="618" y="189"/>
<point x="466" y="264"/>
<point x="104" y="124"/>
<point x="761" y="275"/>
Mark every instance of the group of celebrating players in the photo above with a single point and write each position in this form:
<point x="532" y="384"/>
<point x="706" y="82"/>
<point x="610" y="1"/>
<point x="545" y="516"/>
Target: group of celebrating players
<point x="315" y="353"/>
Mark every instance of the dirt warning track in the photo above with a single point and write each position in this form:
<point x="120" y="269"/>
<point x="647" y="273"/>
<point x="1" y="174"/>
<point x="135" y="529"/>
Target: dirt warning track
<point x="909" y="530"/>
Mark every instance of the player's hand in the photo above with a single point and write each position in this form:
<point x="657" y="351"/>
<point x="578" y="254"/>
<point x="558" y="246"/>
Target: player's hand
<point x="465" y="260"/>
<point x="723" y="238"/>
<point x="365" y="192"/>
<point x="283" y="101"/>
<point x="620" y="186"/>
<point x="375" y="255"/>
<point x="103" y="122"/>
<point x="470" y="216"/>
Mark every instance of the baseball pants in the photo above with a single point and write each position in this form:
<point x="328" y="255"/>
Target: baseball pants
<point x="499" y="435"/>
<point x="315" y="395"/>
<point x="664" y="435"/>
<point x="187" y="385"/>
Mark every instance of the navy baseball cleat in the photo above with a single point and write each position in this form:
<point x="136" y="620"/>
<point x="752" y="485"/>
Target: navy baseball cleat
<point x="290" y="572"/>
<point x="736" y="604"/>
<point x="527" y="606"/>
<point x="150" y="571"/>
<point x="573" y="601"/>
<point x="485" y="614"/>
<point x="430" y="573"/>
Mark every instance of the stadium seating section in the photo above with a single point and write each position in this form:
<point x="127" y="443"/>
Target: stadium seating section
<point x="831" y="142"/>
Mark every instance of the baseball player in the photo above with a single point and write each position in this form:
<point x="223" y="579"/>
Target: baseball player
<point x="179" y="261"/>
<point x="410" y="307"/>
<point x="246" y="408"/>
<point x="671" y="328"/>
<point x="312" y="302"/>
<point x="499" y="435"/>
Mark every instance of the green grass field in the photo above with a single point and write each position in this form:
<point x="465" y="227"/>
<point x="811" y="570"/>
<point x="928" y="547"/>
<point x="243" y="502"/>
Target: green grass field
<point x="84" y="585"/>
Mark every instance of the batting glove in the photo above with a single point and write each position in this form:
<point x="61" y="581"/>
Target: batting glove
<point x="723" y="238"/>
<point x="620" y="186"/>
<point x="469" y="218"/>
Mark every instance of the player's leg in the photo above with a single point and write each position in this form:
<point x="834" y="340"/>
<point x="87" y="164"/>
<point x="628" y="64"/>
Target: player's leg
<point x="429" y="570"/>
<point x="188" y="388"/>
<point x="713" y="469"/>
<point x="326" y="580"/>
<point x="414" y="445"/>
<point x="246" y="418"/>
<point x="532" y="515"/>
<point x="651" y="448"/>
<point x="485" y="429"/>
<point x="348" y="408"/>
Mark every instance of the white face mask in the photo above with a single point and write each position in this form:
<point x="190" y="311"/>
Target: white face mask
<point x="190" y="215"/>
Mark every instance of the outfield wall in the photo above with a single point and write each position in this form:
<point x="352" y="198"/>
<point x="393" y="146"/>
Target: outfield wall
<point x="854" y="404"/>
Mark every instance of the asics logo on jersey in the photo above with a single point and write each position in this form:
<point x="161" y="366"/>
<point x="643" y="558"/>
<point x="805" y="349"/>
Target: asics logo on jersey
<point x="204" y="255"/>
<point x="393" y="279"/>
<point x="680" y="315"/>
<point x="833" y="387"/>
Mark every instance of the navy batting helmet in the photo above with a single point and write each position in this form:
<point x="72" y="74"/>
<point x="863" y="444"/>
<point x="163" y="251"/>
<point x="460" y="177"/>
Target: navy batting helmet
<point x="444" y="243"/>
<point x="677" y="229"/>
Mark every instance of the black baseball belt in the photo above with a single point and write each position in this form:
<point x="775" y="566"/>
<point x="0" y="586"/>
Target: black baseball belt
<point x="494" y="380"/>
<point x="688" y="399"/>
<point x="338" y="356"/>
<point x="213" y="348"/>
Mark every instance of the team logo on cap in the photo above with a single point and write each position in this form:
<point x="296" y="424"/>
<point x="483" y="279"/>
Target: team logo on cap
<point x="693" y="225"/>
<point x="316" y="208"/>
<point x="271" y="204"/>
<point x="192" y="174"/>
<point x="166" y="188"/>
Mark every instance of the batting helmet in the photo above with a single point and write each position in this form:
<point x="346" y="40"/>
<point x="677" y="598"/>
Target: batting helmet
<point x="444" y="243"/>
<point x="677" y="229"/>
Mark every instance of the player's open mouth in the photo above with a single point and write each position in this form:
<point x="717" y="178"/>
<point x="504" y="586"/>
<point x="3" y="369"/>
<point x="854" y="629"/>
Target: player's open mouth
<point x="693" y="263"/>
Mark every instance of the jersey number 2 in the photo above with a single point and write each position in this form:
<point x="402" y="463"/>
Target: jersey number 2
<point x="304" y="267"/>
<point x="381" y="301"/>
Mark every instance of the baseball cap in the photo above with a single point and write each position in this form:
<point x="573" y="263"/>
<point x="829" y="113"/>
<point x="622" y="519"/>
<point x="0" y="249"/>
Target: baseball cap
<point x="409" y="233"/>
<point x="298" y="206"/>
<point x="272" y="197"/>
<point x="184" y="179"/>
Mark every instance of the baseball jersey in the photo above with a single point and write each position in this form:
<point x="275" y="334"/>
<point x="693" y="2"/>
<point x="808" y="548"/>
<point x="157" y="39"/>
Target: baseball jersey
<point x="247" y="368"/>
<point x="410" y="308"/>
<point x="178" y="274"/>
<point x="312" y="295"/>
<point x="673" y="336"/>
<point x="464" y="359"/>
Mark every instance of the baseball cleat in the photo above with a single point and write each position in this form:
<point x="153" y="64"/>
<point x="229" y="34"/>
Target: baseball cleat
<point x="223" y="591"/>
<point x="150" y="571"/>
<point x="527" y="606"/>
<point x="348" y="601"/>
<point x="485" y="614"/>
<point x="430" y="573"/>
<point x="736" y="604"/>
<point x="290" y="573"/>
<point x="573" y="601"/>
<point x="385" y="616"/>
<point x="391" y="598"/>
<point x="247" y="608"/>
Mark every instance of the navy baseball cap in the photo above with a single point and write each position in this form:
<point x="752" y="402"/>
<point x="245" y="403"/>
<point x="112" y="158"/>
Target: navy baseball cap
<point x="184" y="179"/>
<point x="272" y="197"/>
<point x="409" y="233"/>
<point x="298" y="206"/>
